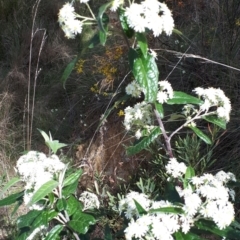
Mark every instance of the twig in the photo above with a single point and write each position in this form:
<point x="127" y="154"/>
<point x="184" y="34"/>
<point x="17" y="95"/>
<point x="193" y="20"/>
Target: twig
<point x="166" y="138"/>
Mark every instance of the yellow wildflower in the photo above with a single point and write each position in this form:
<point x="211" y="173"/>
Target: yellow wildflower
<point x="79" y="66"/>
<point x="121" y="113"/>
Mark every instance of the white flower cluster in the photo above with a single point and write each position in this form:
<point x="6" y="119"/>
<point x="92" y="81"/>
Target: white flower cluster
<point x="84" y="1"/>
<point x="150" y="14"/>
<point x="134" y="89"/>
<point x="116" y="4"/>
<point x="35" y="169"/>
<point x="89" y="200"/>
<point x="138" y="117"/>
<point x="157" y="225"/>
<point x="68" y="22"/>
<point x="206" y="196"/>
<point x="165" y="91"/>
<point x="215" y="98"/>
<point x="176" y="169"/>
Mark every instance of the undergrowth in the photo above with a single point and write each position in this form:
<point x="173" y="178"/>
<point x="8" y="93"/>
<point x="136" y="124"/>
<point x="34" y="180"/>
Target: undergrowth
<point x="203" y="52"/>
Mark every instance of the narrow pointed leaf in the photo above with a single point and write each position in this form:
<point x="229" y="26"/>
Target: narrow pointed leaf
<point x="176" y="210"/>
<point x="228" y="232"/>
<point x="45" y="136"/>
<point x="183" y="98"/>
<point x="9" y="184"/>
<point x="68" y="70"/>
<point x="142" y="42"/>
<point x="129" y="32"/>
<point x="217" y="121"/>
<point x="103" y="21"/>
<point x="72" y="178"/>
<point x="159" y="108"/>
<point x="11" y="199"/>
<point x="201" y="135"/>
<point x="189" y="236"/>
<point x="140" y="209"/>
<point x="44" y="190"/>
<point x="144" y="142"/>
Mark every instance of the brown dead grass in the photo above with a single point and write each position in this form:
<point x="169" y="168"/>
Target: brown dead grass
<point x="106" y="155"/>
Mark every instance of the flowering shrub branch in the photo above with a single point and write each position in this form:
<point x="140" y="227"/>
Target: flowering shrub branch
<point x="199" y="198"/>
<point x="203" y="202"/>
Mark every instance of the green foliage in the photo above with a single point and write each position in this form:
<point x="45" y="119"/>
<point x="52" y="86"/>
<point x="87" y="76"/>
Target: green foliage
<point x="201" y="135"/>
<point x="103" y="20"/>
<point x="54" y="145"/>
<point x="68" y="70"/>
<point x="44" y="190"/>
<point x="144" y="142"/>
<point x="145" y="71"/>
<point x="11" y="199"/>
<point x="183" y="98"/>
<point x="191" y="151"/>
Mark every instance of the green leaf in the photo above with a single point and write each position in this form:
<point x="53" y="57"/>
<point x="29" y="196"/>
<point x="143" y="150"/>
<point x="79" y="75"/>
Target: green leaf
<point x="217" y="121"/>
<point x="11" y="199"/>
<point x="73" y="205"/>
<point x="40" y="220"/>
<point x="107" y="233"/>
<point x="68" y="70"/>
<point x="201" y="135"/>
<point x="142" y="42"/>
<point x="81" y="221"/>
<point x="171" y="193"/>
<point x="146" y="73"/>
<point x="72" y="178"/>
<point x="159" y="108"/>
<point x="28" y="219"/>
<point x="51" y="214"/>
<point x="189" y="173"/>
<point x="9" y="184"/>
<point x="61" y="204"/>
<point x="51" y="198"/>
<point x="54" y="233"/>
<point x="183" y="98"/>
<point x="145" y="142"/>
<point x="188" y="236"/>
<point x="140" y="209"/>
<point x="94" y="41"/>
<point x="44" y="190"/>
<point x="70" y="189"/>
<point x="103" y="21"/>
<point x="179" y="236"/>
<point x="45" y="136"/>
<point x="176" y="210"/>
<point x="23" y="235"/>
<point x="54" y="145"/>
<point x="16" y="207"/>
<point x="129" y="32"/>
<point x="210" y="226"/>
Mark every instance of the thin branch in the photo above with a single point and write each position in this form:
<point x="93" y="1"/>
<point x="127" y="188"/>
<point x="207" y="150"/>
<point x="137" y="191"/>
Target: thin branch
<point x="185" y="55"/>
<point x="166" y="138"/>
